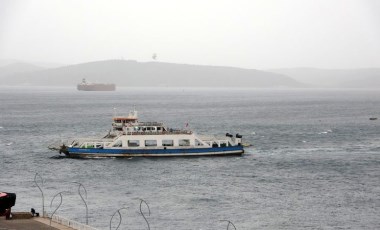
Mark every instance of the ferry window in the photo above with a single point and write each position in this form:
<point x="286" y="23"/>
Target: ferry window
<point x="184" y="142"/>
<point x="197" y="142"/>
<point x="167" y="142"/>
<point x="133" y="143"/>
<point x="158" y="128"/>
<point x="118" y="144"/>
<point x="150" y="143"/>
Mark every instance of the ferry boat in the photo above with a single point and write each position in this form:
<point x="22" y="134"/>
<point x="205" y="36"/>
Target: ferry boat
<point x="88" y="86"/>
<point x="131" y="138"/>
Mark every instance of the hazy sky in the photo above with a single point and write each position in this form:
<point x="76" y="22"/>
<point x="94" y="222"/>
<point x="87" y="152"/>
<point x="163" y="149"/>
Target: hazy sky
<point x="250" y="34"/>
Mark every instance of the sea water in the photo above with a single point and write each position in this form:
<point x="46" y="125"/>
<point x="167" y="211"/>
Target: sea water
<point x="314" y="162"/>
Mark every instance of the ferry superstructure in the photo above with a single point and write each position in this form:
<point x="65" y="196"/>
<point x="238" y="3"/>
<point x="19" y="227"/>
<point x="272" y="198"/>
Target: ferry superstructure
<point x="131" y="138"/>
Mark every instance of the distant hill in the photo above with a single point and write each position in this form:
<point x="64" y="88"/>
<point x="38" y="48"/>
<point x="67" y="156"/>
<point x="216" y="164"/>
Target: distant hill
<point x="4" y="62"/>
<point x="334" y="78"/>
<point x="18" y="67"/>
<point x="150" y="74"/>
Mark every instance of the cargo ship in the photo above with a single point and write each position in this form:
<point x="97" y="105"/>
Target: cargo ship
<point x="87" y="86"/>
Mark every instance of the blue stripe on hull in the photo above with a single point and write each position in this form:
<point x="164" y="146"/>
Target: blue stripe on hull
<point x="93" y="152"/>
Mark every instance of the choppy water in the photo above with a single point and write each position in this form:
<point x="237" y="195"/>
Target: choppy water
<point x="315" y="163"/>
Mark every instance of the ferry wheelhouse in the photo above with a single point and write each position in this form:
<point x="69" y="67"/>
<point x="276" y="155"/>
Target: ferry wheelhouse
<point x="131" y="138"/>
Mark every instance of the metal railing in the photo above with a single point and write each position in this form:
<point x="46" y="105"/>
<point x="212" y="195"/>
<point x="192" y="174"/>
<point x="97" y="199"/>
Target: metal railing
<point x="42" y="193"/>
<point x="79" y="226"/>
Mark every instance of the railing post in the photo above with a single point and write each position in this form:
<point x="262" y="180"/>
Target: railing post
<point x="141" y="201"/>
<point x="118" y="211"/>
<point x="51" y="203"/>
<point x="43" y="198"/>
<point x="229" y="223"/>
<point x="79" y="192"/>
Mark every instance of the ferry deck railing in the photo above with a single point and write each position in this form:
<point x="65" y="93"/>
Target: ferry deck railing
<point x="188" y="132"/>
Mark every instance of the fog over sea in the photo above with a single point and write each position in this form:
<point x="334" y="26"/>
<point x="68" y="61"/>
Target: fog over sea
<point x="314" y="164"/>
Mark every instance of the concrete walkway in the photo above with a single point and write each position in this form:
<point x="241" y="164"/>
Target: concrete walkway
<point x="30" y="224"/>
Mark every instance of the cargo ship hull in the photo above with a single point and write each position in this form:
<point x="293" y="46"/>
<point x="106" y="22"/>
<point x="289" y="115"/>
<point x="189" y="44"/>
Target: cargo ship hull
<point x="86" y="86"/>
<point x="96" y="87"/>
